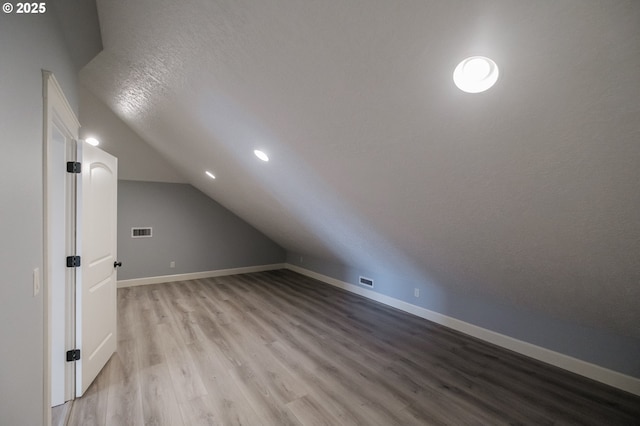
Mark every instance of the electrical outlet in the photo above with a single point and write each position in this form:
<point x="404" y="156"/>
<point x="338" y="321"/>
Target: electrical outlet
<point x="172" y="264"/>
<point x="36" y="282"/>
<point x="416" y="292"/>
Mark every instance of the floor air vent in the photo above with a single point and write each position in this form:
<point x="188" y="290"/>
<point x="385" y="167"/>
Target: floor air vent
<point x="366" y="281"/>
<point x="146" y="232"/>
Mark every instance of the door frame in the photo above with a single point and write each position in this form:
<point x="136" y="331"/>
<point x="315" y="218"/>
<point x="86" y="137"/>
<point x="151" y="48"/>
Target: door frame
<point x="57" y="110"/>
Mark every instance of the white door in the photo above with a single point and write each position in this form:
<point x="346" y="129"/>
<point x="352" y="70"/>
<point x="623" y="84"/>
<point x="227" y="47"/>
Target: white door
<point x="96" y="297"/>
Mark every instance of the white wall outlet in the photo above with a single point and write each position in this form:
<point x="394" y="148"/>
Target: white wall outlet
<point x="172" y="264"/>
<point x="36" y="282"/>
<point x="416" y="292"/>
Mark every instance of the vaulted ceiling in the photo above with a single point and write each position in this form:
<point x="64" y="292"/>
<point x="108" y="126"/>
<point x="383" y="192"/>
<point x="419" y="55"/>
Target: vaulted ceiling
<point x="527" y="194"/>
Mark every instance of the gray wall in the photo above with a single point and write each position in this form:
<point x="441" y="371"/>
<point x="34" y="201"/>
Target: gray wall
<point x="618" y="353"/>
<point x="189" y="228"/>
<point x="28" y="44"/>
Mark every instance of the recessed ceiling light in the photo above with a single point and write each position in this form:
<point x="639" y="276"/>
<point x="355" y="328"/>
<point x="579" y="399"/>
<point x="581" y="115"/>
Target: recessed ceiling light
<point x="208" y="173"/>
<point x="261" y="155"/>
<point x="92" y="141"/>
<point x="475" y="74"/>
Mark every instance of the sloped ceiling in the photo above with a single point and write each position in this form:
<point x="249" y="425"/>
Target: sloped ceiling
<point x="527" y="194"/>
<point x="136" y="159"/>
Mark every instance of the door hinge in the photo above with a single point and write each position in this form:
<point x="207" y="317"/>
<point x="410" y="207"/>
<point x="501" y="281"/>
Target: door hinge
<point x="73" y="355"/>
<point x="73" y="261"/>
<point x="74" y="167"/>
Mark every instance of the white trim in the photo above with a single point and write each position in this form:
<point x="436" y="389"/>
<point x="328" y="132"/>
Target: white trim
<point x="198" y="275"/>
<point x="566" y="362"/>
<point x="52" y="92"/>
<point x="56" y="109"/>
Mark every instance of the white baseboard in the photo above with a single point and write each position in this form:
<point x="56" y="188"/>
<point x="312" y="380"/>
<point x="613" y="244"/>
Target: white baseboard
<point x="198" y="275"/>
<point x="566" y="362"/>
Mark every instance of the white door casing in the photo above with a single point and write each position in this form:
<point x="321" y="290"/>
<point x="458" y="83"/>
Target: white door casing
<point x="96" y="324"/>
<point x="60" y="132"/>
<point x="61" y="219"/>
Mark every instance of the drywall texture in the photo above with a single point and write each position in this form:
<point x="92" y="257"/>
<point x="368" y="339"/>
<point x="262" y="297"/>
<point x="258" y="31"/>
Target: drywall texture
<point x="29" y="43"/>
<point x="189" y="229"/>
<point x="597" y="346"/>
<point x="526" y="195"/>
<point x="136" y="159"/>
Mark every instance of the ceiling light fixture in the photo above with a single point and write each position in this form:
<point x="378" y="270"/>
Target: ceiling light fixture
<point x="475" y="74"/>
<point x="261" y="155"/>
<point x="92" y="141"/>
<point x="211" y="175"/>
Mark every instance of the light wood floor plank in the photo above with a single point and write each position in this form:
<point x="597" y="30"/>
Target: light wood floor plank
<point x="60" y="414"/>
<point x="311" y="413"/>
<point x="226" y="401"/>
<point x="124" y="405"/>
<point x="278" y="348"/>
<point x="93" y="409"/>
<point x="159" y="403"/>
<point x="185" y="378"/>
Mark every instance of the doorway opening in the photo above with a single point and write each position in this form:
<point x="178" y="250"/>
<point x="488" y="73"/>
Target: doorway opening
<point x="80" y="245"/>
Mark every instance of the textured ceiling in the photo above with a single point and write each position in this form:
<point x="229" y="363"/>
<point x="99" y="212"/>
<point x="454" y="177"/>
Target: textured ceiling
<point x="527" y="194"/>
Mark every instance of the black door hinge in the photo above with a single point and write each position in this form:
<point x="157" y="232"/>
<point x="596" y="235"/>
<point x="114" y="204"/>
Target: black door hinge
<point x="73" y="355"/>
<point x="73" y="261"/>
<point x="74" y="167"/>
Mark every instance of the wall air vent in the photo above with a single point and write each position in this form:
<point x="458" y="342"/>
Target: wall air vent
<point x="145" y="232"/>
<point x="366" y="281"/>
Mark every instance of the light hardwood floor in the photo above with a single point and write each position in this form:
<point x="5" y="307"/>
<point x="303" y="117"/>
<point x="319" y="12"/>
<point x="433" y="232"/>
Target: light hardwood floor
<point x="60" y="414"/>
<point x="277" y="348"/>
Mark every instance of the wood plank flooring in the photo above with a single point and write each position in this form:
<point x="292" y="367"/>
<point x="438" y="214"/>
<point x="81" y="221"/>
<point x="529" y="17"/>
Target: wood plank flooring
<point x="60" y="414"/>
<point x="278" y="348"/>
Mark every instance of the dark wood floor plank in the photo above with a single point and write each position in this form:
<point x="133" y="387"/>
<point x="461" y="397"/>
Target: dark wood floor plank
<point x="278" y="348"/>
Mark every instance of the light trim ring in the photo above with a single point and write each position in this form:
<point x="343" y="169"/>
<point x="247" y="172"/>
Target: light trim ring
<point x="476" y="74"/>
